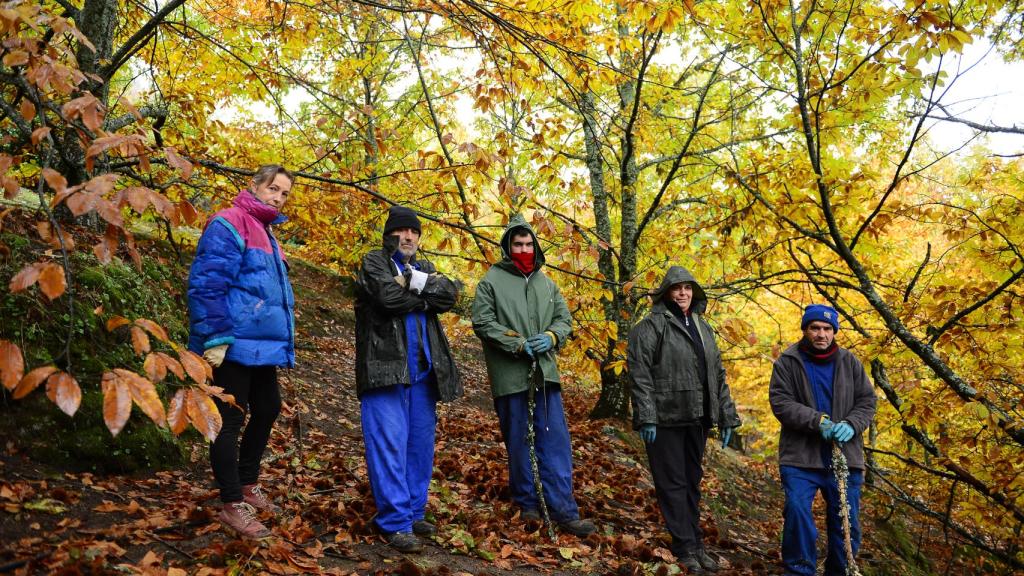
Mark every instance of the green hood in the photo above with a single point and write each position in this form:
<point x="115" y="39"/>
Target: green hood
<point x="675" y="275"/>
<point x="518" y="224"/>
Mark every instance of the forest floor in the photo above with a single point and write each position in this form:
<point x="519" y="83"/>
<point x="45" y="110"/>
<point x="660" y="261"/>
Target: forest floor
<point x="60" y="522"/>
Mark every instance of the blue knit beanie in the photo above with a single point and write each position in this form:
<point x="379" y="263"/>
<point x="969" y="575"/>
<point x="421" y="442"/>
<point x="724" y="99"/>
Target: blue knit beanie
<point x="822" y="313"/>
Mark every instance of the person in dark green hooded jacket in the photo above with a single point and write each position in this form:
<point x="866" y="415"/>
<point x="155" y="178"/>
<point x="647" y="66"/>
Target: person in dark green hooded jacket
<point x="522" y="320"/>
<point x="679" y="393"/>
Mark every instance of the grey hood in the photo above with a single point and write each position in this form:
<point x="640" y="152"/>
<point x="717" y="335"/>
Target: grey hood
<point x="675" y="275"/>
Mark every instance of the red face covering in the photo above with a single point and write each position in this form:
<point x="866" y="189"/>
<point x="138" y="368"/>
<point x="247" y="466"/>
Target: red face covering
<point x="524" y="261"/>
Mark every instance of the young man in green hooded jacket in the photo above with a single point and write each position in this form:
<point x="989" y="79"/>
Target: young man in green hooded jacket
<point x="522" y="320"/>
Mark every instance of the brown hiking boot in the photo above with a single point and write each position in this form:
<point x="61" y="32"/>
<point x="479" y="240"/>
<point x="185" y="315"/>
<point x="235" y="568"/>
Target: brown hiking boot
<point x="253" y="495"/>
<point x="241" y="518"/>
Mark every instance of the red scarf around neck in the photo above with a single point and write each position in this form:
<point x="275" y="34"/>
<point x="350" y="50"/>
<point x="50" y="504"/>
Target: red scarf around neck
<point x="823" y="357"/>
<point x="524" y="261"/>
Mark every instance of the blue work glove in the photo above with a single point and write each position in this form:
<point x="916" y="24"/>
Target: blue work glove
<point x="541" y="343"/>
<point x="842" y="432"/>
<point x="826" y="428"/>
<point x="726" y="434"/>
<point x="526" y="349"/>
<point x="648" y="432"/>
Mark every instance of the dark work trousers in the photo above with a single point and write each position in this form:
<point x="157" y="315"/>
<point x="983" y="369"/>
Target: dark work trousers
<point x="553" y="447"/>
<point x="676" y="457"/>
<point x="256" y="392"/>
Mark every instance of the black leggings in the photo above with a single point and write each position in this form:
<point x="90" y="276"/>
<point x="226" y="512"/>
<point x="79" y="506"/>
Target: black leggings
<point x="255" y="390"/>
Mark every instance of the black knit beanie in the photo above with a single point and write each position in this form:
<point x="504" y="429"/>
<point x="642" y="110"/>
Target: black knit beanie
<point x="401" y="217"/>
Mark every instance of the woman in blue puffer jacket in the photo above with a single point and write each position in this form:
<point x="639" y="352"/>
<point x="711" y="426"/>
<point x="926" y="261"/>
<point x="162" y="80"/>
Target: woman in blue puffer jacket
<point x="241" y="321"/>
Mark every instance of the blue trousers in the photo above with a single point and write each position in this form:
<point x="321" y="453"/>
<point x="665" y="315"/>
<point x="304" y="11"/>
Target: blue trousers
<point x="800" y="535"/>
<point x="398" y="431"/>
<point x="554" y="452"/>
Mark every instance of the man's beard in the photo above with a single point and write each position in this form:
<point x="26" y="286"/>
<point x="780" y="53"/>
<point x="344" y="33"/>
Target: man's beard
<point x="407" y="252"/>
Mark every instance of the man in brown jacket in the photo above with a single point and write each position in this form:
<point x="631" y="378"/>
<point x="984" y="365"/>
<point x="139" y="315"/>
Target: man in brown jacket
<point x="821" y="394"/>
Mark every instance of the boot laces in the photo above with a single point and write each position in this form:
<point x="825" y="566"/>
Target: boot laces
<point x="245" y="511"/>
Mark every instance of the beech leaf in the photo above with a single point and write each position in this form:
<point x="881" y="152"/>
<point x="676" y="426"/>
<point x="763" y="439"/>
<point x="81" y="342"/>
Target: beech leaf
<point x="173" y="365"/>
<point x="117" y="402"/>
<point x="153" y="328"/>
<point x="177" y="415"/>
<point x="194" y="366"/>
<point x="115" y="322"/>
<point x="140" y="341"/>
<point x="203" y="414"/>
<point x="32" y="380"/>
<point x="64" y="391"/>
<point x="144" y="395"/>
<point x="12" y="364"/>
<point x="52" y="281"/>
<point x="155" y="368"/>
<point x="26" y="277"/>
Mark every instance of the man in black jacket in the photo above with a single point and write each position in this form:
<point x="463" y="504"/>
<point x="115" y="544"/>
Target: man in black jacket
<point x="820" y="394"/>
<point x="403" y="366"/>
<point x="679" y="394"/>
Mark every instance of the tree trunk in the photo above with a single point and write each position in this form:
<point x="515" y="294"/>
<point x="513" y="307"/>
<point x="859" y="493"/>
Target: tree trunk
<point x="614" y="400"/>
<point x="98" y="22"/>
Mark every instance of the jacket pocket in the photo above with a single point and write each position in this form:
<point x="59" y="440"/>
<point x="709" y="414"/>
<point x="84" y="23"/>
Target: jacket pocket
<point x="676" y="401"/>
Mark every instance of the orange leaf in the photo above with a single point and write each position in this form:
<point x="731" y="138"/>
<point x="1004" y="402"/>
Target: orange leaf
<point x="219" y="393"/>
<point x="102" y="252"/>
<point x="39" y="133"/>
<point x="52" y="281"/>
<point x="27" y="109"/>
<point x="32" y="380"/>
<point x="101" y="184"/>
<point x="178" y="162"/>
<point x="137" y="197"/>
<point x="92" y="116"/>
<point x="144" y="395"/>
<point x="140" y="341"/>
<point x="109" y="212"/>
<point x="55" y="180"/>
<point x="173" y="365"/>
<point x="177" y="415"/>
<point x="116" y="322"/>
<point x="153" y="328"/>
<point x="12" y="364"/>
<point x="25" y="278"/>
<point x="81" y="202"/>
<point x="203" y="414"/>
<point x="155" y="368"/>
<point x="194" y="365"/>
<point x="117" y="402"/>
<point x="64" y="391"/>
<point x="188" y="212"/>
